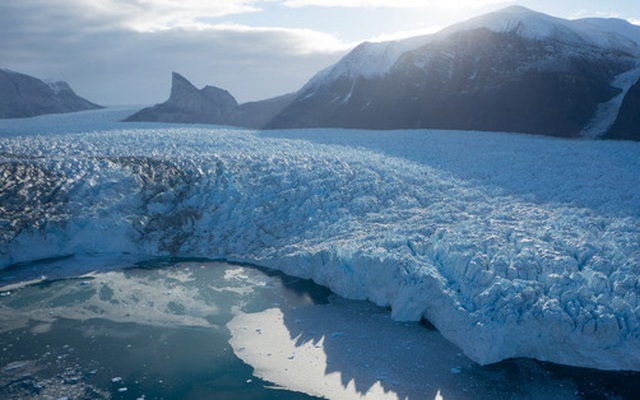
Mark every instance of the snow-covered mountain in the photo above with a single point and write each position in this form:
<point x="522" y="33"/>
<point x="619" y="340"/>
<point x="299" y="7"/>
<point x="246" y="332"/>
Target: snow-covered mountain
<point x="25" y="96"/>
<point x="511" y="70"/>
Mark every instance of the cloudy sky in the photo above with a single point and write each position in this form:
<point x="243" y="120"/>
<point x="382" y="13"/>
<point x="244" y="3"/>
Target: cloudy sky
<point x="123" y="51"/>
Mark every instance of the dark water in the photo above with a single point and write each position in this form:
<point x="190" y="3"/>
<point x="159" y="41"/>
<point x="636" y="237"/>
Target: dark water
<point x="146" y="332"/>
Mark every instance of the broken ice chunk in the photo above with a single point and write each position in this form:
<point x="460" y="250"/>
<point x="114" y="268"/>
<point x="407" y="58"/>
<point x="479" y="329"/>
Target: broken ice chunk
<point x="15" y="365"/>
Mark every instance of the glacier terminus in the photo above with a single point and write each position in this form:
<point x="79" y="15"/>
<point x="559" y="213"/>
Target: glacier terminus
<point x="515" y="246"/>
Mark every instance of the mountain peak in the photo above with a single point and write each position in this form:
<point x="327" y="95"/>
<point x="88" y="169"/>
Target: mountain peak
<point x="59" y="86"/>
<point x="23" y="95"/>
<point x="516" y="9"/>
<point x="187" y="103"/>
<point x="180" y="86"/>
<point x="529" y="24"/>
<point x="370" y="60"/>
<point x="523" y="22"/>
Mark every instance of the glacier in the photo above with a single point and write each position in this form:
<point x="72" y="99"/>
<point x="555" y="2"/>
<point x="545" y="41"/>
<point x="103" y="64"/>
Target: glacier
<point x="511" y="245"/>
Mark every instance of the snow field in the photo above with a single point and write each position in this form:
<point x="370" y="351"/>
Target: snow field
<point x="499" y="272"/>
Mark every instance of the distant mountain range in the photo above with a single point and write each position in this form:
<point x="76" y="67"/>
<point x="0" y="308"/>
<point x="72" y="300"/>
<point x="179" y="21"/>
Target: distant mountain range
<point x="25" y="96"/>
<point x="513" y="70"/>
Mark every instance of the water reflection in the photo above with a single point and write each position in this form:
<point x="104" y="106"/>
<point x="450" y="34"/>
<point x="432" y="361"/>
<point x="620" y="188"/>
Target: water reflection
<point x="152" y="330"/>
<point x="182" y="329"/>
<point x="348" y="349"/>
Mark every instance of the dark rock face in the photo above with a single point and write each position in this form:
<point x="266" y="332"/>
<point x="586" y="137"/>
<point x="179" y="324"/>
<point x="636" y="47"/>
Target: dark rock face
<point x="627" y="124"/>
<point x="187" y="104"/>
<point x="25" y="96"/>
<point x="258" y="114"/>
<point x="471" y="80"/>
<point x="211" y="105"/>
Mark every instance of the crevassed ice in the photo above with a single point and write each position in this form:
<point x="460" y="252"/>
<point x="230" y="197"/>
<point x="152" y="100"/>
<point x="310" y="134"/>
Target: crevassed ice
<point x="501" y="275"/>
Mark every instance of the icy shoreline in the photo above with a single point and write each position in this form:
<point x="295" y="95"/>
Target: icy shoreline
<point x="500" y="273"/>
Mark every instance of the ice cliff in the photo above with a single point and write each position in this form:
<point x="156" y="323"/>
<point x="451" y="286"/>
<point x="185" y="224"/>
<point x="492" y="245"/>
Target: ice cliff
<point x="514" y="247"/>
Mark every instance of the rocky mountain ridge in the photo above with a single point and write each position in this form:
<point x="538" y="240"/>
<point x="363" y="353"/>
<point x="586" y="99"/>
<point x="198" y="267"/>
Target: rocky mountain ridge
<point x="210" y="105"/>
<point x="25" y="96"/>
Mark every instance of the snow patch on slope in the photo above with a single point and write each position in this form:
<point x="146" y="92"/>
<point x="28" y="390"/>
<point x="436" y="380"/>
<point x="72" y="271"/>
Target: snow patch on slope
<point x="610" y="34"/>
<point x="59" y="86"/>
<point x="368" y="60"/>
<point x="607" y="112"/>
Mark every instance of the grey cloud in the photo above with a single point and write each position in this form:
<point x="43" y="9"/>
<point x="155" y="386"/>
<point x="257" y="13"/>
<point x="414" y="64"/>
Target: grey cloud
<point x="112" y="65"/>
